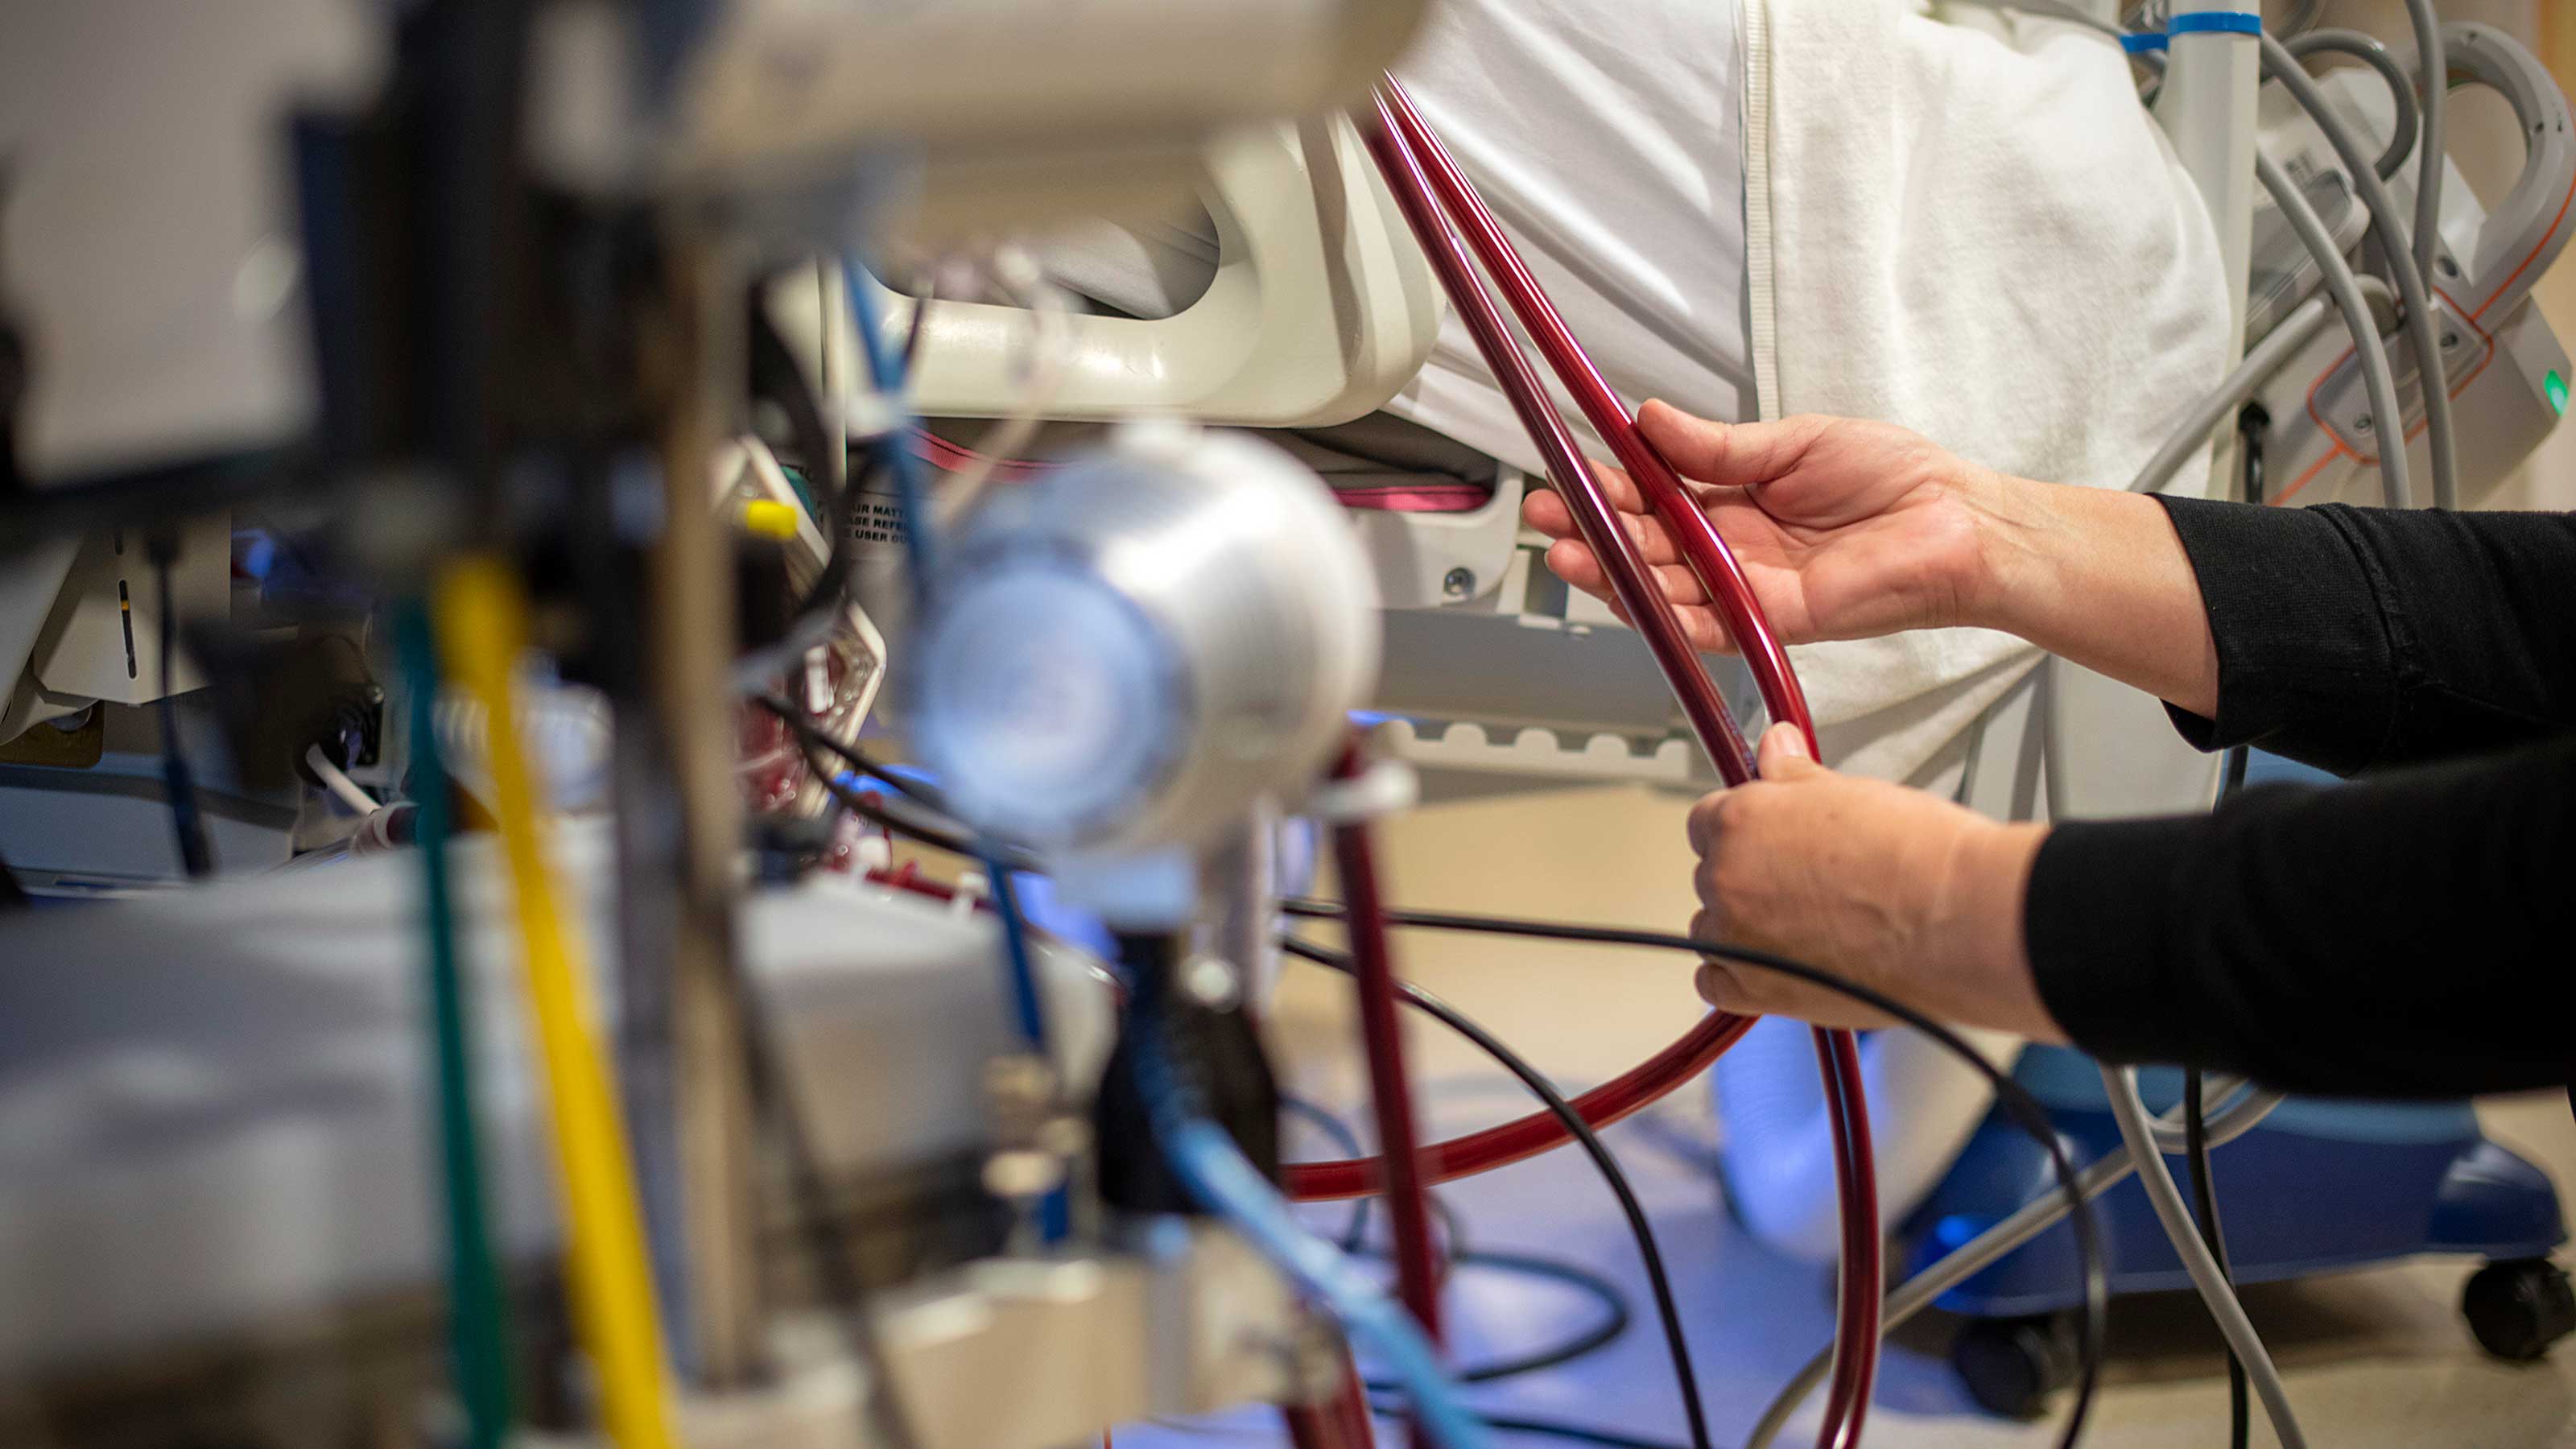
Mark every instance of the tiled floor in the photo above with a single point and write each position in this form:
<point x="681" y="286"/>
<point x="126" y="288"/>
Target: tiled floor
<point x="2378" y="1357"/>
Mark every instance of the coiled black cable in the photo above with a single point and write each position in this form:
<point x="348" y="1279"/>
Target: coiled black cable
<point x="1605" y="1330"/>
<point x="1667" y="1305"/>
<point x="2015" y="1099"/>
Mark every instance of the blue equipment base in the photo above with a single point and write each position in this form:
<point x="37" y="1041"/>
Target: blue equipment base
<point x="2320" y="1185"/>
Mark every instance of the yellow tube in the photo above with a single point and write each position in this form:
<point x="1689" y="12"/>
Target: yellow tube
<point x="482" y="628"/>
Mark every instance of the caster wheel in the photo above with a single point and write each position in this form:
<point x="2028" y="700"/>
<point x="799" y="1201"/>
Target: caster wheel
<point x="2519" y="1308"/>
<point x="2012" y="1365"/>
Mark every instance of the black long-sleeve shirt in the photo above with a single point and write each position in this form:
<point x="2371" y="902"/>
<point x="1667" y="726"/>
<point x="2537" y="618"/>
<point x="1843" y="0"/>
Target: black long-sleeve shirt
<point x="2412" y="932"/>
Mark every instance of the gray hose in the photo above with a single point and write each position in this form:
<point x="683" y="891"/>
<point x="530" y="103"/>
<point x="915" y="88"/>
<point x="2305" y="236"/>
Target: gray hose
<point x="2346" y="291"/>
<point x="2269" y="356"/>
<point x="2371" y="51"/>
<point x="2033" y="1218"/>
<point x="2422" y="334"/>
<point x="2434" y="58"/>
<point x="2122" y="1084"/>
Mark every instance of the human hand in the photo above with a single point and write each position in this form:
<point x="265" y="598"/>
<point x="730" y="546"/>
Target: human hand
<point x="1846" y="529"/>
<point x="1882" y="885"/>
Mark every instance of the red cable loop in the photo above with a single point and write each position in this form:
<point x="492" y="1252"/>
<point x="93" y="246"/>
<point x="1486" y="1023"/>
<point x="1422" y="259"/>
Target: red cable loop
<point x="1701" y="546"/>
<point x="1417" y="167"/>
<point x="1616" y="1100"/>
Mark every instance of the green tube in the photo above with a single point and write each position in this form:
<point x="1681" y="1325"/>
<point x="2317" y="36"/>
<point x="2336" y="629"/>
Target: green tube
<point x="478" y="1322"/>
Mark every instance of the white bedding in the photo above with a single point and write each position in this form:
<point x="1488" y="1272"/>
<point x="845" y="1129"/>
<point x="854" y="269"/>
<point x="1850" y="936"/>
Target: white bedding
<point x="1607" y="139"/>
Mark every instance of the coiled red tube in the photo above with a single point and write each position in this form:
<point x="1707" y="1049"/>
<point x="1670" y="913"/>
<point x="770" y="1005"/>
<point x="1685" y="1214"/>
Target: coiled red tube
<point x="1616" y="1100"/>
<point x="1415" y="161"/>
<point x="1856" y="1185"/>
<point x="1568" y="471"/>
<point x="1701" y="547"/>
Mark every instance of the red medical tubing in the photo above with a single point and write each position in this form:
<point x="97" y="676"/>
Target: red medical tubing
<point x="1417" y="1270"/>
<point x="1856" y="1186"/>
<point x="1567" y="469"/>
<point x="1701" y="547"/>
<point x="1655" y="619"/>
<point x="1616" y="1100"/>
<point x="1420" y="161"/>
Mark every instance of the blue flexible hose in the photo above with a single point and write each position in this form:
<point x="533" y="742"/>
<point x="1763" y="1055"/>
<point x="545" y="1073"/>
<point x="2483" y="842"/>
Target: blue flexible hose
<point x="885" y="373"/>
<point x="1215" y="1171"/>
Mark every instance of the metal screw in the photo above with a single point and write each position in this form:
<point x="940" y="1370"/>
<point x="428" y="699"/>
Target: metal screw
<point x="2450" y="340"/>
<point x="2450" y="268"/>
<point x="1211" y="982"/>
<point x="1459" y="583"/>
<point x="2363" y="424"/>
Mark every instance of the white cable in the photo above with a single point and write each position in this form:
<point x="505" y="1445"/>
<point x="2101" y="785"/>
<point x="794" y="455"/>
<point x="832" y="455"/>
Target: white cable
<point x="2346" y="291"/>
<point x="337" y="781"/>
<point x="1042" y="377"/>
<point x="2229" y="1122"/>
<point x="2269" y="356"/>
<point x="2131" y="1114"/>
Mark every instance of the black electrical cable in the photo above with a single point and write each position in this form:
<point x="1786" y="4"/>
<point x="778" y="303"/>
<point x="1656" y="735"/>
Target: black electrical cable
<point x="1667" y="1305"/>
<point x="2253" y="430"/>
<point x="1616" y="1316"/>
<point x="805" y="729"/>
<point x="1354" y="1235"/>
<point x="1606" y="1330"/>
<point x="2204" y="1199"/>
<point x="177" y="781"/>
<point x="889" y="815"/>
<point x="2016" y="1100"/>
<point x="14" y="897"/>
<point x="2253" y="426"/>
<point x="901" y="816"/>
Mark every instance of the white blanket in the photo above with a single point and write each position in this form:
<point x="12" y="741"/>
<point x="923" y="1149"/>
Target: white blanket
<point x="1969" y="226"/>
<point x="1972" y="229"/>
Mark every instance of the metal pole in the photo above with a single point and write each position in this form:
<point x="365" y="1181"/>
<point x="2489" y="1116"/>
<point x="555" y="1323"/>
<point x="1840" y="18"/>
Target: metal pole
<point x="681" y="830"/>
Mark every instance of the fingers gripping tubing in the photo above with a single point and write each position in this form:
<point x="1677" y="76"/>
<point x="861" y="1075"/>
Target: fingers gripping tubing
<point x="1416" y="165"/>
<point x="1589" y="503"/>
<point x="1697" y="537"/>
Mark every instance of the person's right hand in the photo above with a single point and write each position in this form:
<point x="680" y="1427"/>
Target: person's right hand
<point x="1846" y="529"/>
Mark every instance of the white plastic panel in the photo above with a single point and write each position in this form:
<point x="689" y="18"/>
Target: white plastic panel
<point x="1322" y="307"/>
<point x="214" y="1105"/>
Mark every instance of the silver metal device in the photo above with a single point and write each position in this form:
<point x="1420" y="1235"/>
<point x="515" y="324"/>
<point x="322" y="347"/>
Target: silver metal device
<point x="1128" y="655"/>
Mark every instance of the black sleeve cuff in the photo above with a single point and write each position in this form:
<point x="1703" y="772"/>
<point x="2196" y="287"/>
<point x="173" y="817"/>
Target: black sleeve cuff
<point x="2304" y="663"/>
<point x="2096" y="923"/>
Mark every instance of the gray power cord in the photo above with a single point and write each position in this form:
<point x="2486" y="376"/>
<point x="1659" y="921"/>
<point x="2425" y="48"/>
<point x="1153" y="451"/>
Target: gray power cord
<point x="2131" y="1114"/>
<point x="2345" y="289"/>
<point x="2435" y="63"/>
<point x="2340" y="282"/>
<point x="2269" y="356"/>
<point x="2370" y="50"/>
<point x="2232" y="1120"/>
<point x="2417" y="300"/>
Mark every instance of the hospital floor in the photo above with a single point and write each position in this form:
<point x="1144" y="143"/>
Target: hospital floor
<point x="2372" y="1357"/>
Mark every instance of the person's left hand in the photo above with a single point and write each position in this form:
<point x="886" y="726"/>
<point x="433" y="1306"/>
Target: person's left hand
<point x="1882" y="885"/>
